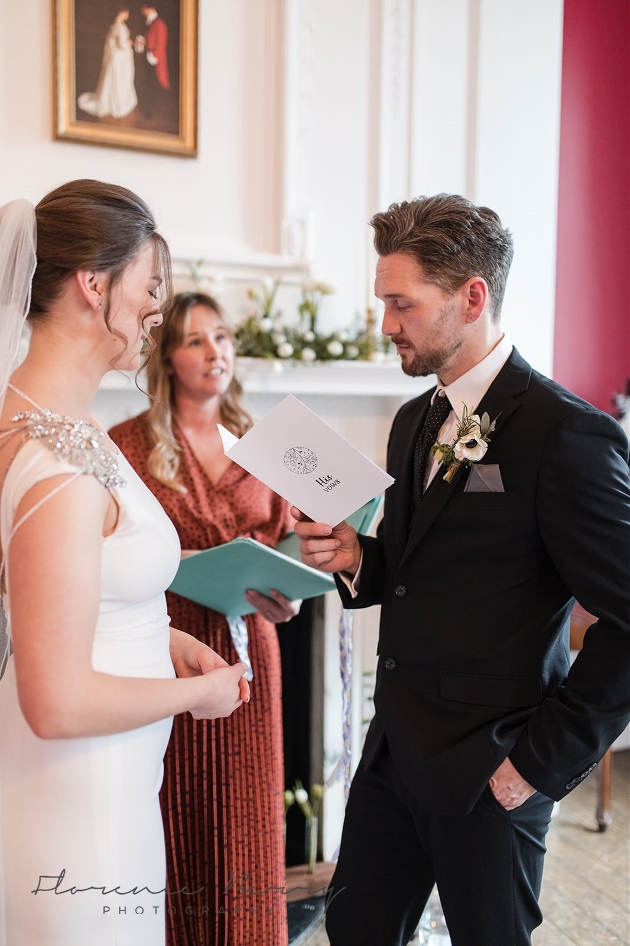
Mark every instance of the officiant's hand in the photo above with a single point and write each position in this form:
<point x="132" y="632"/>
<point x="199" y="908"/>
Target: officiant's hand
<point x="328" y="548"/>
<point x="277" y="608"/>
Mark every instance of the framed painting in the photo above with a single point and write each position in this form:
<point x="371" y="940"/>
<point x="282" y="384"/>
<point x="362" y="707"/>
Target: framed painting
<point x="125" y="74"/>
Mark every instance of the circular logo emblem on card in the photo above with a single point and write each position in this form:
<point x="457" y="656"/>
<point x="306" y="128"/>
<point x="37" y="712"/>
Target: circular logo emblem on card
<point x="300" y="460"/>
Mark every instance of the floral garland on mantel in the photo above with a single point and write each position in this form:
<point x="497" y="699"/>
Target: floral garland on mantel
<point x="264" y="335"/>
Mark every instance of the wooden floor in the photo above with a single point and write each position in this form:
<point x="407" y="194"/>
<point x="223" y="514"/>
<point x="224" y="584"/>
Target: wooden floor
<point x="586" y="885"/>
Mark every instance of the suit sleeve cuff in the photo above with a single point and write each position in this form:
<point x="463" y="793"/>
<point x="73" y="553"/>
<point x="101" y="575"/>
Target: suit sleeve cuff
<point x="352" y="584"/>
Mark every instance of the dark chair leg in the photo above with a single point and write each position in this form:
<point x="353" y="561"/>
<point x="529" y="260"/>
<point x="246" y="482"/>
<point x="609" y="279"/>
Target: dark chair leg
<point x="604" y="769"/>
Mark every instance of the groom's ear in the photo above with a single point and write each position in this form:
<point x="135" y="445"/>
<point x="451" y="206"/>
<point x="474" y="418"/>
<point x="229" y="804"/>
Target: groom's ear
<point x="475" y="296"/>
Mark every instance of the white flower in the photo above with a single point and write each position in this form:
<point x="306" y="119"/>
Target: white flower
<point x="213" y="285"/>
<point x="301" y="796"/>
<point x="326" y="288"/>
<point x="278" y="338"/>
<point x="352" y="351"/>
<point x="266" y="324"/>
<point x="268" y="284"/>
<point x="471" y="447"/>
<point x="335" y="348"/>
<point x="285" y="350"/>
<point x="308" y="354"/>
<point x="318" y="285"/>
<point x="309" y="336"/>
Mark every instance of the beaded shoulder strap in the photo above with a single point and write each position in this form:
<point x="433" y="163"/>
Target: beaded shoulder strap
<point x="70" y="440"/>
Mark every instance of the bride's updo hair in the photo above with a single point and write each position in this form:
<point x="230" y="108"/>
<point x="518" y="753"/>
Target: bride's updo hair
<point x="88" y="225"/>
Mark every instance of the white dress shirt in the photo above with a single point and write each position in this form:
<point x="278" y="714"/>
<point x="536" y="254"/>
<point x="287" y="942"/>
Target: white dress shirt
<point x="468" y="389"/>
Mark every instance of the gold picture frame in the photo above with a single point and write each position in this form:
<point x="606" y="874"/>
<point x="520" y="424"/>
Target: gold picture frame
<point x="126" y="76"/>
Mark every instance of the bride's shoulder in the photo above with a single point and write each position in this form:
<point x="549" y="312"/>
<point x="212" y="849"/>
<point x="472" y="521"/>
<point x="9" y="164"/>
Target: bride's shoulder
<point x="63" y="445"/>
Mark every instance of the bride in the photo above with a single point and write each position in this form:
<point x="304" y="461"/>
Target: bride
<point x="115" y="92"/>
<point x="90" y="687"/>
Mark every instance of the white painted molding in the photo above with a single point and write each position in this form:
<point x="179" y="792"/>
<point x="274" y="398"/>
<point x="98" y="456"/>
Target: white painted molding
<point x="347" y="378"/>
<point x="300" y="25"/>
<point x="242" y="268"/>
<point x="394" y="169"/>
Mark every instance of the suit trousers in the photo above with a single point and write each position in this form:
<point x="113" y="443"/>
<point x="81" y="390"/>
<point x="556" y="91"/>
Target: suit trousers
<point x="487" y="865"/>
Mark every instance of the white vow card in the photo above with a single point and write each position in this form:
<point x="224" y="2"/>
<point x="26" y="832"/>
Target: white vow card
<point x="305" y="461"/>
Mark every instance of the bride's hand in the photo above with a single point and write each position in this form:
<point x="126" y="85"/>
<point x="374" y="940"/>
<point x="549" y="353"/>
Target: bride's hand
<point x="190" y="657"/>
<point x="226" y="690"/>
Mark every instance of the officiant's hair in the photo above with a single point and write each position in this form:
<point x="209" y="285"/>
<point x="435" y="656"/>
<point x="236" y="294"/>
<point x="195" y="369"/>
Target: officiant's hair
<point x="451" y="239"/>
<point x="164" y="458"/>
<point x="89" y="225"/>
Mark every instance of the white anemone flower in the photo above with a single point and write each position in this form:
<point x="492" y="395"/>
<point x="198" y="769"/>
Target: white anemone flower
<point x="352" y="351"/>
<point x="266" y="324"/>
<point x="308" y="354"/>
<point x="335" y="348"/>
<point x="309" y="336"/>
<point x="471" y="447"/>
<point x="285" y="350"/>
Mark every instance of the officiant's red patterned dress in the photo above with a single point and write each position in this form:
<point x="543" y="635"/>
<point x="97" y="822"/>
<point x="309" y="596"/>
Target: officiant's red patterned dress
<point x="222" y="796"/>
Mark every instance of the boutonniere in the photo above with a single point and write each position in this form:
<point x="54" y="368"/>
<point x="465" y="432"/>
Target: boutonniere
<point x="469" y="446"/>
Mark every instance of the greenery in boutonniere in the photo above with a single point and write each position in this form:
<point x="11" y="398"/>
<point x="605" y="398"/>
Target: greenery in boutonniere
<point x="469" y="446"/>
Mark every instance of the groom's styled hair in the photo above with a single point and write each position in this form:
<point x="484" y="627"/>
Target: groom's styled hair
<point x="451" y="239"/>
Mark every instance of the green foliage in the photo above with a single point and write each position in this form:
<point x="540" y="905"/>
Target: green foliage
<point x="263" y="335"/>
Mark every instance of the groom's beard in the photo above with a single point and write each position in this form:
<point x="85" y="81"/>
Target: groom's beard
<point x="439" y="349"/>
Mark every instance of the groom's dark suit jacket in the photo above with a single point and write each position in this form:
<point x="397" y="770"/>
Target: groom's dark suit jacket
<point x="476" y="590"/>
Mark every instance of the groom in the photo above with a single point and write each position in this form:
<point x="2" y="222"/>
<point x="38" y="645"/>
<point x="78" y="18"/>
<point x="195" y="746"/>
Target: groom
<point x="479" y="721"/>
<point x="153" y="74"/>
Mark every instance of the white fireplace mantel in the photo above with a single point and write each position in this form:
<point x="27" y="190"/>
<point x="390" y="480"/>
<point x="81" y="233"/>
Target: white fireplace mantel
<point x="273" y="376"/>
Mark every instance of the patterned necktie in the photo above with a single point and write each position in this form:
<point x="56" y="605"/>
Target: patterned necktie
<point x="438" y="412"/>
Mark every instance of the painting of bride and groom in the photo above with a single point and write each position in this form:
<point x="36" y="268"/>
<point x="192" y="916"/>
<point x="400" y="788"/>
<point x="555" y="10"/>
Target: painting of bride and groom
<point x="127" y="65"/>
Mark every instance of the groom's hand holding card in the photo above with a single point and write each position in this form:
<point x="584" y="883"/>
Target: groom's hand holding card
<point x="306" y="462"/>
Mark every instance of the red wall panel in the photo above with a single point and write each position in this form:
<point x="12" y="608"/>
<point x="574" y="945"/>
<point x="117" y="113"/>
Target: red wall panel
<point x="592" y="326"/>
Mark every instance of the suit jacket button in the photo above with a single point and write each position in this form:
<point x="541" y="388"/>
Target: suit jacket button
<point x="400" y="591"/>
<point x="390" y="663"/>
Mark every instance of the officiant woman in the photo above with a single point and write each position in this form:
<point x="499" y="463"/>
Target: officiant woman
<point x="222" y="797"/>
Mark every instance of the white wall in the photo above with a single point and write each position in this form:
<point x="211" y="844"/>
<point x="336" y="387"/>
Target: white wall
<point x="313" y="114"/>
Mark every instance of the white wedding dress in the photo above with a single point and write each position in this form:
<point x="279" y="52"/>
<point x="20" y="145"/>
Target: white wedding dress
<point x="116" y="91"/>
<point x="84" y="813"/>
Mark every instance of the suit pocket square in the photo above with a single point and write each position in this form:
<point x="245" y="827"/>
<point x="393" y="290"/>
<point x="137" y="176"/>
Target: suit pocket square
<point x="484" y="478"/>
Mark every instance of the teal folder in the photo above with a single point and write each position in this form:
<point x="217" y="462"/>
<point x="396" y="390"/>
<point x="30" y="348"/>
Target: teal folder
<point x="219" y="577"/>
